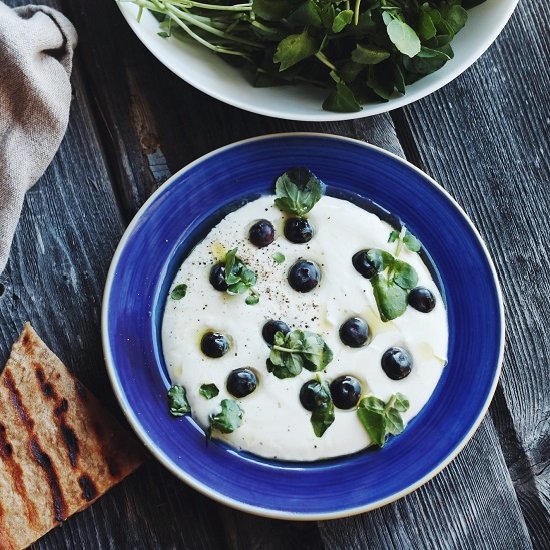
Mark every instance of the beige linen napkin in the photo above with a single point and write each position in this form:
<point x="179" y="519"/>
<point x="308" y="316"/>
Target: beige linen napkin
<point x="36" y="48"/>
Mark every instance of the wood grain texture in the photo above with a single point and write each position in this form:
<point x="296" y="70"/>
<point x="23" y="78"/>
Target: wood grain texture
<point x="489" y="148"/>
<point x="133" y="124"/>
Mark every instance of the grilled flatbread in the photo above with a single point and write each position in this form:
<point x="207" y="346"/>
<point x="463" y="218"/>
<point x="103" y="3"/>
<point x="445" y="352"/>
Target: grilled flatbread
<point x="59" y="449"/>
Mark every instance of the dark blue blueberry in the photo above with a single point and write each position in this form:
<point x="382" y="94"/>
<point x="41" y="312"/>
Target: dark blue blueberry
<point x="354" y="332"/>
<point x="241" y="382"/>
<point x="298" y="230"/>
<point x="362" y="264"/>
<point x="271" y="328"/>
<point x="421" y="299"/>
<point x="214" y="344"/>
<point x="217" y="277"/>
<point x="345" y="392"/>
<point x="261" y="233"/>
<point x="304" y="276"/>
<point x="396" y="363"/>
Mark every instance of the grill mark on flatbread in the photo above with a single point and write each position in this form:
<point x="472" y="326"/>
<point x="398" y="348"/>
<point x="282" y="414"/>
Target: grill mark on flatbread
<point x="45" y="462"/>
<point x="46" y="387"/>
<point x="71" y="442"/>
<point x="61" y="408"/>
<point x="16" y="474"/>
<point x="89" y="491"/>
<point x="67" y="433"/>
<point x="112" y="466"/>
<point x="15" y="400"/>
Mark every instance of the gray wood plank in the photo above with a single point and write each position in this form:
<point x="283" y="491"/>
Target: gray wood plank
<point x="62" y="249"/>
<point x="485" y="137"/>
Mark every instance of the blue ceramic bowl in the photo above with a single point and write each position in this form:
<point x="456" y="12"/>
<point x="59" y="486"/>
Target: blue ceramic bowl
<point x="174" y="218"/>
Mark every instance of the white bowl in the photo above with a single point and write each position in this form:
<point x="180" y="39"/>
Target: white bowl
<point x="210" y="74"/>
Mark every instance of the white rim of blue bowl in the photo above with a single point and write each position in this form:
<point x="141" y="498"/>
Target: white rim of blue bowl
<point x="205" y="489"/>
<point x="327" y="116"/>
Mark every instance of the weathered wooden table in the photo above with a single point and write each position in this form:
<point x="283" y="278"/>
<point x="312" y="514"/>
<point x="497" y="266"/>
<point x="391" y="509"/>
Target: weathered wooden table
<point x="133" y="123"/>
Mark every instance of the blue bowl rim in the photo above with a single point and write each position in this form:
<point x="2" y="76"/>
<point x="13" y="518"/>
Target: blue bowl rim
<point x="205" y="489"/>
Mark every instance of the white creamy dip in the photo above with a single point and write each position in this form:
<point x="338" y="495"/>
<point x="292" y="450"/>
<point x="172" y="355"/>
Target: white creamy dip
<point x="275" y="424"/>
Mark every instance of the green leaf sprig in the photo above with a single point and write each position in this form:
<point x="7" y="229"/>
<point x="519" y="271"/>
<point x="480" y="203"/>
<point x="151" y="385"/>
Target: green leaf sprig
<point x="382" y="419"/>
<point x="228" y="419"/>
<point x="239" y="277"/>
<point x="298" y="190"/>
<point x="208" y="391"/>
<point x="361" y="52"/>
<point x="178" y="292"/>
<point x="296" y="350"/>
<point x="177" y="401"/>
<point x="395" y="277"/>
<point x="322" y="415"/>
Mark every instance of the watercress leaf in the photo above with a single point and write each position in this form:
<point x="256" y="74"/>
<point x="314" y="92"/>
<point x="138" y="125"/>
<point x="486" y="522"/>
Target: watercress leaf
<point x="374" y="422"/>
<point x="274" y="10"/>
<point x="237" y="288"/>
<point x="247" y="276"/>
<point x="322" y="418"/>
<point x="342" y="100"/>
<point x="279" y="338"/>
<point x="369" y="55"/>
<point x="455" y="17"/>
<point x="208" y="391"/>
<point x="179" y="292"/>
<point x="342" y="20"/>
<point x="307" y="13"/>
<point x="426" y="28"/>
<point x="276" y="359"/>
<point x="394" y="422"/>
<point x="291" y="367"/>
<point x="228" y="419"/>
<point x="380" y="258"/>
<point x="317" y="354"/>
<point x="380" y="80"/>
<point x="278" y="257"/>
<point x="163" y="34"/>
<point x="403" y="37"/>
<point x="399" y="78"/>
<point x="390" y="298"/>
<point x="177" y="401"/>
<point x="328" y="13"/>
<point x="350" y="70"/>
<point x="404" y="275"/>
<point x="298" y="190"/>
<point x="411" y="242"/>
<point x="373" y="403"/>
<point x="294" y="48"/>
<point x="401" y="403"/>
<point x="252" y="300"/>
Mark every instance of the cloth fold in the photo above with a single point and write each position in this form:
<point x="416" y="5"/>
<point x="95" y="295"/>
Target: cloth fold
<point x="36" y="50"/>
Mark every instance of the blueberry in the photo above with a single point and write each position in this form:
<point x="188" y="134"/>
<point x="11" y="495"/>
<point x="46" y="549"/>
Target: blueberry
<point x="397" y="363"/>
<point x="361" y="263"/>
<point x="217" y="277"/>
<point x="261" y="233"/>
<point x="345" y="392"/>
<point x="241" y="382"/>
<point x="421" y="299"/>
<point x="354" y="332"/>
<point x="214" y="344"/>
<point x="298" y="230"/>
<point x="304" y="276"/>
<point x="272" y="327"/>
<point x="311" y="395"/>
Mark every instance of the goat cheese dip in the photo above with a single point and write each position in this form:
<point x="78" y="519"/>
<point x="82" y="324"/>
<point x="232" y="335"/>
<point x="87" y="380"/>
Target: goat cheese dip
<point x="275" y="423"/>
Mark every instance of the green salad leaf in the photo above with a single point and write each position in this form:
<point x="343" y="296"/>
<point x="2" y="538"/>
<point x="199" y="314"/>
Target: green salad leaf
<point x="208" y="391"/>
<point x="228" y="419"/>
<point x="179" y="292"/>
<point x="177" y="401"/>
<point x="322" y="415"/>
<point x="298" y="190"/>
<point x="375" y="48"/>
<point x="297" y="350"/>
<point x="239" y="277"/>
<point x="381" y="419"/>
